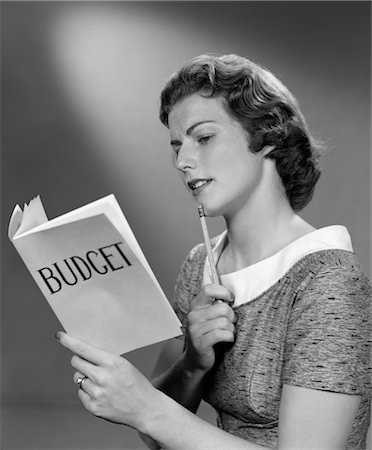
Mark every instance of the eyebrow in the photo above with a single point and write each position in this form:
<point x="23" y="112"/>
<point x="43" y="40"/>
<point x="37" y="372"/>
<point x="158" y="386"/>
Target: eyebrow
<point x="191" y="129"/>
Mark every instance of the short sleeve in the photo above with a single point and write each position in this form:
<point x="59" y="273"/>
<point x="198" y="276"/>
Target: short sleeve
<point x="328" y="345"/>
<point x="188" y="283"/>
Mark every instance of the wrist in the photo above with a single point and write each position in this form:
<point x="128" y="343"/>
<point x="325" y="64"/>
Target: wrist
<point x="192" y="371"/>
<point x="156" y="416"/>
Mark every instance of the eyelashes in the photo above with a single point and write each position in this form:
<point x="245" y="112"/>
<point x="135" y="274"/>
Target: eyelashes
<point x="202" y="140"/>
<point x="205" y="139"/>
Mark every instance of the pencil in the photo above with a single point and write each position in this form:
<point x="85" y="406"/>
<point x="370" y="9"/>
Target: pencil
<point x="207" y="241"/>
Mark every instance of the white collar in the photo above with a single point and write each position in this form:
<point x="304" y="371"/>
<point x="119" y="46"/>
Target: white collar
<point x="249" y="282"/>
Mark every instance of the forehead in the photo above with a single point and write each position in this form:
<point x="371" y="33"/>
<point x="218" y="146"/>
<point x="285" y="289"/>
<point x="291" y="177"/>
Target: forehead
<point x="196" y="108"/>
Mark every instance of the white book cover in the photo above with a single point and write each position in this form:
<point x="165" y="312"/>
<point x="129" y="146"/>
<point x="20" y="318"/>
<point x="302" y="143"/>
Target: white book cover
<point x="94" y="275"/>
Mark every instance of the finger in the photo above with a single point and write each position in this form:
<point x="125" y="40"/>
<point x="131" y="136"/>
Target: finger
<point x="200" y="315"/>
<point x="220" y="323"/>
<point x="85" y="399"/>
<point x="77" y="375"/>
<point x="214" y="337"/>
<point x="85" y="367"/>
<point x="86" y="385"/>
<point x="209" y="293"/>
<point x="219" y="310"/>
<point x="84" y="350"/>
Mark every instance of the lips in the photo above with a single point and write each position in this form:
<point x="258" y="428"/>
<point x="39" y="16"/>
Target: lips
<point x="197" y="184"/>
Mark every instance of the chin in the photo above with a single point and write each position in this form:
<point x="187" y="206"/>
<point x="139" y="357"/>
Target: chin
<point x="211" y="210"/>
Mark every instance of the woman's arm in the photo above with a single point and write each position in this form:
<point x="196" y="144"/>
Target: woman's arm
<point x="116" y="391"/>
<point x="171" y="376"/>
<point x="309" y="419"/>
<point x="181" y="369"/>
<point x="174" y="376"/>
<point x="209" y="323"/>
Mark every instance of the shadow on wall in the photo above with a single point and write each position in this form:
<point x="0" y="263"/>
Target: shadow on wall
<point x="44" y="152"/>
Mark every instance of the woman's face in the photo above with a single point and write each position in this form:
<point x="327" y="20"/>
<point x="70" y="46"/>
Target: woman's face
<point x="212" y="154"/>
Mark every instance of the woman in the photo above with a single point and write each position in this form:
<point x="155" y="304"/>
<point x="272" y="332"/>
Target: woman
<point x="283" y="354"/>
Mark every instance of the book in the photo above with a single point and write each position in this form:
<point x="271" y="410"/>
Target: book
<point x="94" y="275"/>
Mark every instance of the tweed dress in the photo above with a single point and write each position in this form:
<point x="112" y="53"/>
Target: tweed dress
<point x="310" y="328"/>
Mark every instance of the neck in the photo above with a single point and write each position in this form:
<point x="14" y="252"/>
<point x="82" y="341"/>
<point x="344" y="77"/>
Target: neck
<point x="257" y="232"/>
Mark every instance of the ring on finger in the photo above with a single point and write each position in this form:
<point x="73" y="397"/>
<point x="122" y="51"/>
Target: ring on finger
<point x="80" y="381"/>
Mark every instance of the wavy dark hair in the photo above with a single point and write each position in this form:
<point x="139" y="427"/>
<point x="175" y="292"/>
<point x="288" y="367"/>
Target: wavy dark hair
<point x="264" y="107"/>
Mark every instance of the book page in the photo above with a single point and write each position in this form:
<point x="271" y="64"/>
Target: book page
<point x="14" y="222"/>
<point x="33" y="215"/>
<point x="109" y="206"/>
<point x="96" y="285"/>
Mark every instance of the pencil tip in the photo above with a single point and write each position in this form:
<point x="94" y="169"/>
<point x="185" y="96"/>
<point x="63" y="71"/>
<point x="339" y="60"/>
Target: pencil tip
<point x="201" y="211"/>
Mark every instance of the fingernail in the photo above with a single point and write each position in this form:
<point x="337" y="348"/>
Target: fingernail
<point x="58" y="336"/>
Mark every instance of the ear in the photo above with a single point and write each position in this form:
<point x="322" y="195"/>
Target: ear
<point x="266" y="150"/>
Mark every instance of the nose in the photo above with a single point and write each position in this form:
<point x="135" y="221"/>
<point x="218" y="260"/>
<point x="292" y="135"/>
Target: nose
<point x="186" y="157"/>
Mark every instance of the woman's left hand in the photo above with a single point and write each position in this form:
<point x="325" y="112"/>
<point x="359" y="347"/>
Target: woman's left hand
<point x="114" y="389"/>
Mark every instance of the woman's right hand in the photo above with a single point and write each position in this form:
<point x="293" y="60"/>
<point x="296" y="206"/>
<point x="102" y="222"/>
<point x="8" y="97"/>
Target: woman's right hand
<point x="210" y="321"/>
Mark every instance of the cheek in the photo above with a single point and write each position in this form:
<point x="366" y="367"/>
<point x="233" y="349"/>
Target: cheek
<point x="244" y="167"/>
<point x="245" y="178"/>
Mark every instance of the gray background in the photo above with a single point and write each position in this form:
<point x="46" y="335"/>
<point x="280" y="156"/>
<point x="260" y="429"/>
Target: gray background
<point x="80" y="88"/>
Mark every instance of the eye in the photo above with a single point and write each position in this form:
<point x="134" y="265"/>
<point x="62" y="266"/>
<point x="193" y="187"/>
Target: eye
<point x="205" y="139"/>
